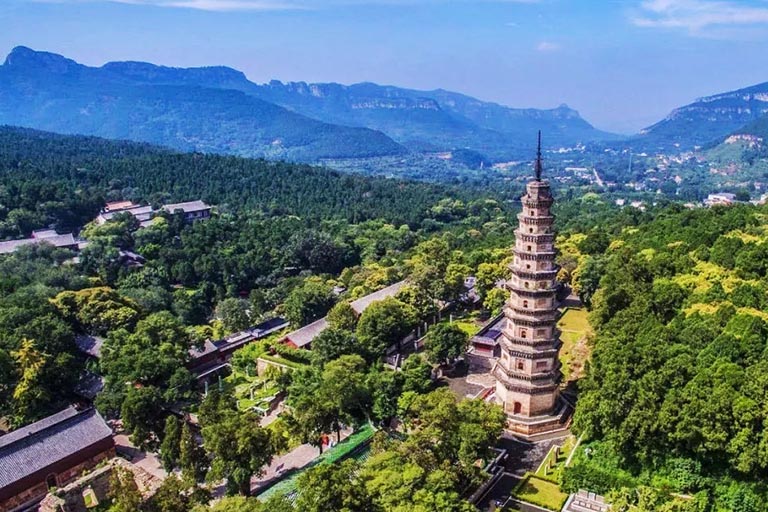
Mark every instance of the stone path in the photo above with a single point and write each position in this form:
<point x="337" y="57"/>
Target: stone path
<point x="522" y="457"/>
<point x="295" y="459"/>
<point x="145" y="460"/>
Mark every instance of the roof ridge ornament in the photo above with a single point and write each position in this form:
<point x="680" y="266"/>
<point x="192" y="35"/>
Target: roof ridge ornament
<point x="538" y="166"/>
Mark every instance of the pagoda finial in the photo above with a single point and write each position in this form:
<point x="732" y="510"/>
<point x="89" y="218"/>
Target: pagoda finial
<point x="538" y="160"/>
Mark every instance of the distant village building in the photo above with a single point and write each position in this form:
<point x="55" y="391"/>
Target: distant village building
<point x="142" y="213"/>
<point x="720" y="199"/>
<point x="192" y="211"/>
<point x="302" y="338"/>
<point x="528" y="371"/>
<point x="50" y="453"/>
<point x="47" y="236"/>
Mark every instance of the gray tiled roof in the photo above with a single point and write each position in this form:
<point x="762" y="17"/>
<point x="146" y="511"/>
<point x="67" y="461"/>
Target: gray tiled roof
<point x="35" y="447"/>
<point x="90" y="345"/>
<point x="362" y="303"/>
<point x="189" y="206"/>
<point x="140" y="212"/>
<point x="304" y="336"/>
<point x="58" y="241"/>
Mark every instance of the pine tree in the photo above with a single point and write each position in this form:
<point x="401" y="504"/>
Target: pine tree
<point x="191" y="457"/>
<point x="171" y="445"/>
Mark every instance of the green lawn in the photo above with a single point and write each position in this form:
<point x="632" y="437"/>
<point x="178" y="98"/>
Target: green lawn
<point x="468" y="326"/>
<point x="558" y="463"/>
<point x="540" y="492"/>
<point x="575" y="319"/>
<point x="574" y="326"/>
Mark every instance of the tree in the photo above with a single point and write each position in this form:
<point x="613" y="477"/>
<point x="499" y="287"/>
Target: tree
<point x="177" y="495"/>
<point x="587" y="279"/>
<point x="385" y="388"/>
<point x="425" y="306"/>
<point x="169" y="448"/>
<point x="343" y="388"/>
<point x="151" y="356"/>
<point x="445" y="343"/>
<point x="343" y="317"/>
<point x="385" y="323"/>
<point x="417" y="375"/>
<point x="488" y="274"/>
<point x="310" y="417"/>
<point x="192" y="459"/>
<point x="242" y="504"/>
<point x="333" y="343"/>
<point x="29" y="394"/>
<point x="140" y="415"/>
<point x="460" y="433"/>
<point x="455" y="275"/>
<point x="240" y="449"/>
<point x="336" y="487"/>
<point x="233" y="313"/>
<point x="308" y="302"/>
<point x="495" y="300"/>
<point x="97" y="310"/>
<point x="322" y="401"/>
<point x="123" y="491"/>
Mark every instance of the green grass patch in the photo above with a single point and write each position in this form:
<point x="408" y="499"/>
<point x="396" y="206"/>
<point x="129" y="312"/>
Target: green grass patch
<point x="575" y="319"/>
<point x="540" y="492"/>
<point x="282" y="360"/>
<point x="574" y="326"/>
<point x="468" y="326"/>
<point x="551" y="469"/>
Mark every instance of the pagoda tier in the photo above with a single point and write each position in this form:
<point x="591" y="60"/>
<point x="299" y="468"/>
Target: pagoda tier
<point x="528" y="371"/>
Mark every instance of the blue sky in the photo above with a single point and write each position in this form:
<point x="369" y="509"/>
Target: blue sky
<point x="622" y="63"/>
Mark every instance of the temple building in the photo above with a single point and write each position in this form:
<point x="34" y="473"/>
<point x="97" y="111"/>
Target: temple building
<point x="528" y="371"/>
<point x="50" y="453"/>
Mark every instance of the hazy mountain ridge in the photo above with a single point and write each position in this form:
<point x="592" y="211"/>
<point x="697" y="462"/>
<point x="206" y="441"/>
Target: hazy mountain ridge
<point x="438" y="120"/>
<point x="50" y="92"/>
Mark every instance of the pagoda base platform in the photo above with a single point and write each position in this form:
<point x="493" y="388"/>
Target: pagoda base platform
<point x="530" y="426"/>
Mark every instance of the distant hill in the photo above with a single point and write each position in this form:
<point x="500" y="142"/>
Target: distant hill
<point x="421" y="120"/>
<point x="32" y="161"/>
<point x="707" y="120"/>
<point x="50" y="92"/>
<point x="217" y="109"/>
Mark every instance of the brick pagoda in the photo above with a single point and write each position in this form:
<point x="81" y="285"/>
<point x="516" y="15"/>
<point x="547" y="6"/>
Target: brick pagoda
<point x="528" y="371"/>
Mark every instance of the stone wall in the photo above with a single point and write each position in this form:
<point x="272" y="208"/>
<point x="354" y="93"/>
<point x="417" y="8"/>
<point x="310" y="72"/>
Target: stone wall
<point x="63" y="474"/>
<point x="72" y="497"/>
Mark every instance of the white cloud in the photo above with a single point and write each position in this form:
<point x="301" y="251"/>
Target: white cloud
<point x="547" y="46"/>
<point x="696" y="16"/>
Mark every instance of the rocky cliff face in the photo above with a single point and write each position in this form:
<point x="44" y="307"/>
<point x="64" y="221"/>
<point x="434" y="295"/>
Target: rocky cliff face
<point x="709" y="119"/>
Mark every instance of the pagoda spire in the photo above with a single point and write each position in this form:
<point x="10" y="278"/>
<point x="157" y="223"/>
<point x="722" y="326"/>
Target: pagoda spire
<point x="538" y="160"/>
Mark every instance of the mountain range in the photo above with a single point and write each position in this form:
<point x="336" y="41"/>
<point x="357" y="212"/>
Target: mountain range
<point x="709" y="120"/>
<point x="217" y="109"/>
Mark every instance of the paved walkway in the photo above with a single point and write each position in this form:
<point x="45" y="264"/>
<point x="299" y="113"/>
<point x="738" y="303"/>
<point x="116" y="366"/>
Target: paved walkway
<point x="145" y="460"/>
<point x="295" y="459"/>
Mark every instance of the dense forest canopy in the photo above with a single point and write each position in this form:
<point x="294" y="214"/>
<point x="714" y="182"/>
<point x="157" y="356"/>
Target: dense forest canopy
<point x="49" y="178"/>
<point x="675" y="396"/>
